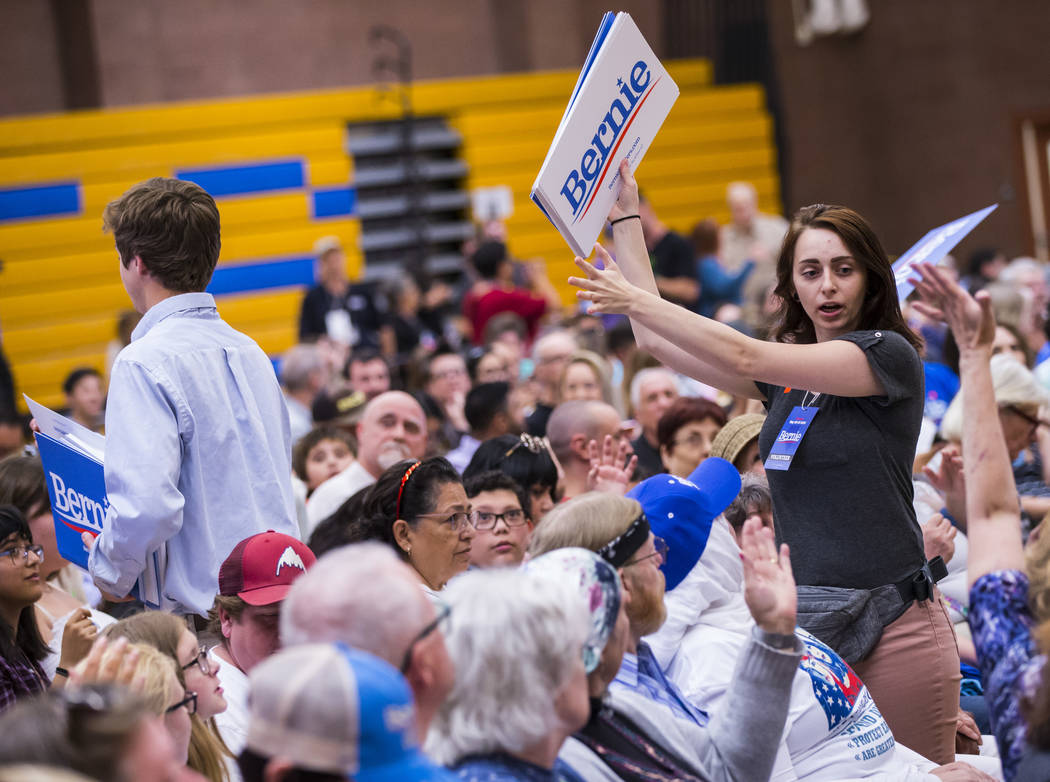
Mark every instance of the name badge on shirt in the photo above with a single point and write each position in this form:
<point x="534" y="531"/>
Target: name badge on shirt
<point x="790" y="437"/>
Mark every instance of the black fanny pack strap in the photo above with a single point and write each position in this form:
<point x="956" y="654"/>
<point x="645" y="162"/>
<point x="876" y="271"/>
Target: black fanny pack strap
<point x="919" y="585"/>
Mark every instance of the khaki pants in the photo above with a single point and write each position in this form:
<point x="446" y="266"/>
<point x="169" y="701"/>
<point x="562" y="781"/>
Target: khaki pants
<point x="913" y="675"/>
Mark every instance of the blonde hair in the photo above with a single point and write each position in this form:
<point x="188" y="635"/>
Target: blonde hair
<point x="588" y="521"/>
<point x="1015" y="386"/>
<point x="1037" y="568"/>
<point x="598" y="365"/>
<point x="156" y="673"/>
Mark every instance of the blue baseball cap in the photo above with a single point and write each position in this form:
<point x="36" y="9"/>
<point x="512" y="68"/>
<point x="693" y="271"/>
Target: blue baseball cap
<point x="681" y="511"/>
<point x="338" y="710"/>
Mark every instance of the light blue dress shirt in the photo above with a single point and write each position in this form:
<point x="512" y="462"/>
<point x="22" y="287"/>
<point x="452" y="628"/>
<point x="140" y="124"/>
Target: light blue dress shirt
<point x="197" y="453"/>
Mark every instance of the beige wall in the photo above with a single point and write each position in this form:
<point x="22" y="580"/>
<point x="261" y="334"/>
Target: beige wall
<point x="30" y="79"/>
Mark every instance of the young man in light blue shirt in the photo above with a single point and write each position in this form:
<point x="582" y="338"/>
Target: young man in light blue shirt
<point x="198" y="450"/>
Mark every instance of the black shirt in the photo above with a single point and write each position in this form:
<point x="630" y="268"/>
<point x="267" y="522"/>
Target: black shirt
<point x="360" y="301"/>
<point x="845" y="505"/>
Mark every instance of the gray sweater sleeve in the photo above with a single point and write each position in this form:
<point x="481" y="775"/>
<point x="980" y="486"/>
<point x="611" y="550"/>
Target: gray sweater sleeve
<point x="744" y="734"/>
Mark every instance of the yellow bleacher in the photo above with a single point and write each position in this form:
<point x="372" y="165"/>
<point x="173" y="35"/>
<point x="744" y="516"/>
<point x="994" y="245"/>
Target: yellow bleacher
<point x="60" y="294"/>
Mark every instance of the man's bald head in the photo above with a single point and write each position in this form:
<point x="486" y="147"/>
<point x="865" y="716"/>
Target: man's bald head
<point x="580" y="421"/>
<point x="392" y="428"/>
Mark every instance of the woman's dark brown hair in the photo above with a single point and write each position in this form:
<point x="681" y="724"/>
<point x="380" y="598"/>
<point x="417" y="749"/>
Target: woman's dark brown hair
<point x="684" y="410"/>
<point x="881" y="309"/>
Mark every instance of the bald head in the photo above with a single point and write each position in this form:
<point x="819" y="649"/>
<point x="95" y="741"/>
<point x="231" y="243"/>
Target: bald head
<point x="743" y="203"/>
<point x="392" y="428"/>
<point x="551" y="353"/>
<point x="578" y="422"/>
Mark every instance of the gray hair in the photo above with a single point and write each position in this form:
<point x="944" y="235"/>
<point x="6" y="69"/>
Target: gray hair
<point x="641" y="377"/>
<point x="1014" y="384"/>
<point x="515" y="638"/>
<point x="360" y="594"/>
<point x="297" y="364"/>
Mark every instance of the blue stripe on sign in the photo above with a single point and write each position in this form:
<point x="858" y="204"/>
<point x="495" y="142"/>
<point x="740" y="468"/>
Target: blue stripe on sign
<point x="18" y="203"/>
<point x="241" y="180"/>
<point x="241" y="278"/>
<point x="334" y="202"/>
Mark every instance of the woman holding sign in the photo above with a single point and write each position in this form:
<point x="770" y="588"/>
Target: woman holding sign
<point x="843" y="387"/>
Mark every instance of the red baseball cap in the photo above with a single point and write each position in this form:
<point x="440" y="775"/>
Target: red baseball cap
<point x="260" y="569"/>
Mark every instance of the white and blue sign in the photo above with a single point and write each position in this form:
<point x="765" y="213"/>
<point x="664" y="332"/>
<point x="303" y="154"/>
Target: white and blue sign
<point x="77" y="487"/>
<point x="933" y="247"/>
<point x="790" y="437"/>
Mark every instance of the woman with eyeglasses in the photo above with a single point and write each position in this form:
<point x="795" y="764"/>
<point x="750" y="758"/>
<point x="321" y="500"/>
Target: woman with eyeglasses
<point x="503" y="525"/>
<point x="421" y="510"/>
<point x="21" y="647"/>
<point x="196" y="672"/>
<point x="686" y="432"/>
<point x="528" y="461"/>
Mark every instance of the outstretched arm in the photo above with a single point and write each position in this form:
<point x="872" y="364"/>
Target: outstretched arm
<point x="992" y="513"/>
<point x="700" y="347"/>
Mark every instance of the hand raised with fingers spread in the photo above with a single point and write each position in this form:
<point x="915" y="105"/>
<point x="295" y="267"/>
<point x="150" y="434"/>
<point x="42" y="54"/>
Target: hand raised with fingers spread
<point x="627" y="201"/>
<point x="970" y="319"/>
<point x="612" y="470"/>
<point x="769" y="585"/>
<point x="606" y="288"/>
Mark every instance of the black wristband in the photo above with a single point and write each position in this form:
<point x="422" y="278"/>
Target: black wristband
<point x="61" y="672"/>
<point x="621" y="219"/>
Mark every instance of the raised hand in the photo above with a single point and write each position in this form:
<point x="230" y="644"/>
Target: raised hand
<point x="627" y="201"/>
<point x="769" y="585"/>
<point x="943" y="299"/>
<point x="611" y="470"/>
<point x="108" y="663"/>
<point x="950" y="480"/>
<point x="606" y="288"/>
<point x="77" y="638"/>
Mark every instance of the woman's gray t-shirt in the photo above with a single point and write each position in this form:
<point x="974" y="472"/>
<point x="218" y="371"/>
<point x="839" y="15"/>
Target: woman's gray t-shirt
<point x="845" y="505"/>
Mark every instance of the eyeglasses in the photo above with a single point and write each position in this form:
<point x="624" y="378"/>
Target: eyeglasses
<point x="442" y="620"/>
<point x="456" y="521"/>
<point x="530" y="443"/>
<point x="201" y="661"/>
<point x="694" y="440"/>
<point x="190" y="702"/>
<point x="661" y="551"/>
<point x="1035" y="422"/>
<point x="514" y="517"/>
<point x="23" y="551"/>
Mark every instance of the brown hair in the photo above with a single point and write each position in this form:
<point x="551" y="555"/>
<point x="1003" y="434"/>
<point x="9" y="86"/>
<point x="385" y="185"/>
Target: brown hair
<point x="705" y="237"/>
<point x="1036" y="708"/>
<point x="173" y="226"/>
<point x="685" y="410"/>
<point x="162" y="631"/>
<point x="23" y="485"/>
<point x="315" y="436"/>
<point x="881" y="310"/>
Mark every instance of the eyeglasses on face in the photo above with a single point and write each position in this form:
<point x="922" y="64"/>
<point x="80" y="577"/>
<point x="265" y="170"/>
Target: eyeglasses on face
<point x="693" y="440"/>
<point x="201" y="661"/>
<point x="442" y="620"/>
<point x="190" y="702"/>
<point x="661" y="551"/>
<point x="456" y="521"/>
<point x="23" y="552"/>
<point x="514" y="517"/>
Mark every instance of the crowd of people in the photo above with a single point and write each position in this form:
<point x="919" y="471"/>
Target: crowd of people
<point x="738" y="514"/>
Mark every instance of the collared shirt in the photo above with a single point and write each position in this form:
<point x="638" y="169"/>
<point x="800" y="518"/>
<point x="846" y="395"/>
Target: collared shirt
<point x="198" y="453"/>
<point x="460" y="456"/>
<point x="641" y="673"/>
<point x="20" y="678"/>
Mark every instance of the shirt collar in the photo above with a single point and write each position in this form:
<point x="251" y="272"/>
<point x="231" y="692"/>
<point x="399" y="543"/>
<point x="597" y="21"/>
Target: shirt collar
<point x="172" y="305"/>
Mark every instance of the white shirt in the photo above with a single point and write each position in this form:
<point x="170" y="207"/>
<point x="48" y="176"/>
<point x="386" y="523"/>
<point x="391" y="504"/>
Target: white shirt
<point x="327" y="497"/>
<point x="198" y="453"/>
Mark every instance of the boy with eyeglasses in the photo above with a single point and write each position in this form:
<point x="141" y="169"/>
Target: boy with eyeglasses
<point x="503" y="527"/>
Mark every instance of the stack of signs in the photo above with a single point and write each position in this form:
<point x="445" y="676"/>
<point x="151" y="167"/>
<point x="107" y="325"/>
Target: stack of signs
<point x="72" y="456"/>
<point x="621" y="98"/>
<point x="933" y="247"/>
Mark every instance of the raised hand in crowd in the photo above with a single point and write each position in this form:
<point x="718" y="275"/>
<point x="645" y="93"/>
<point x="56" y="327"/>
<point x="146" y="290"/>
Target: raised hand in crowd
<point x="612" y="468"/>
<point x="938" y="538"/>
<point x="769" y="585"/>
<point x="77" y="638"/>
<point x="949" y="479"/>
<point x="108" y="663"/>
<point x="605" y="287"/>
